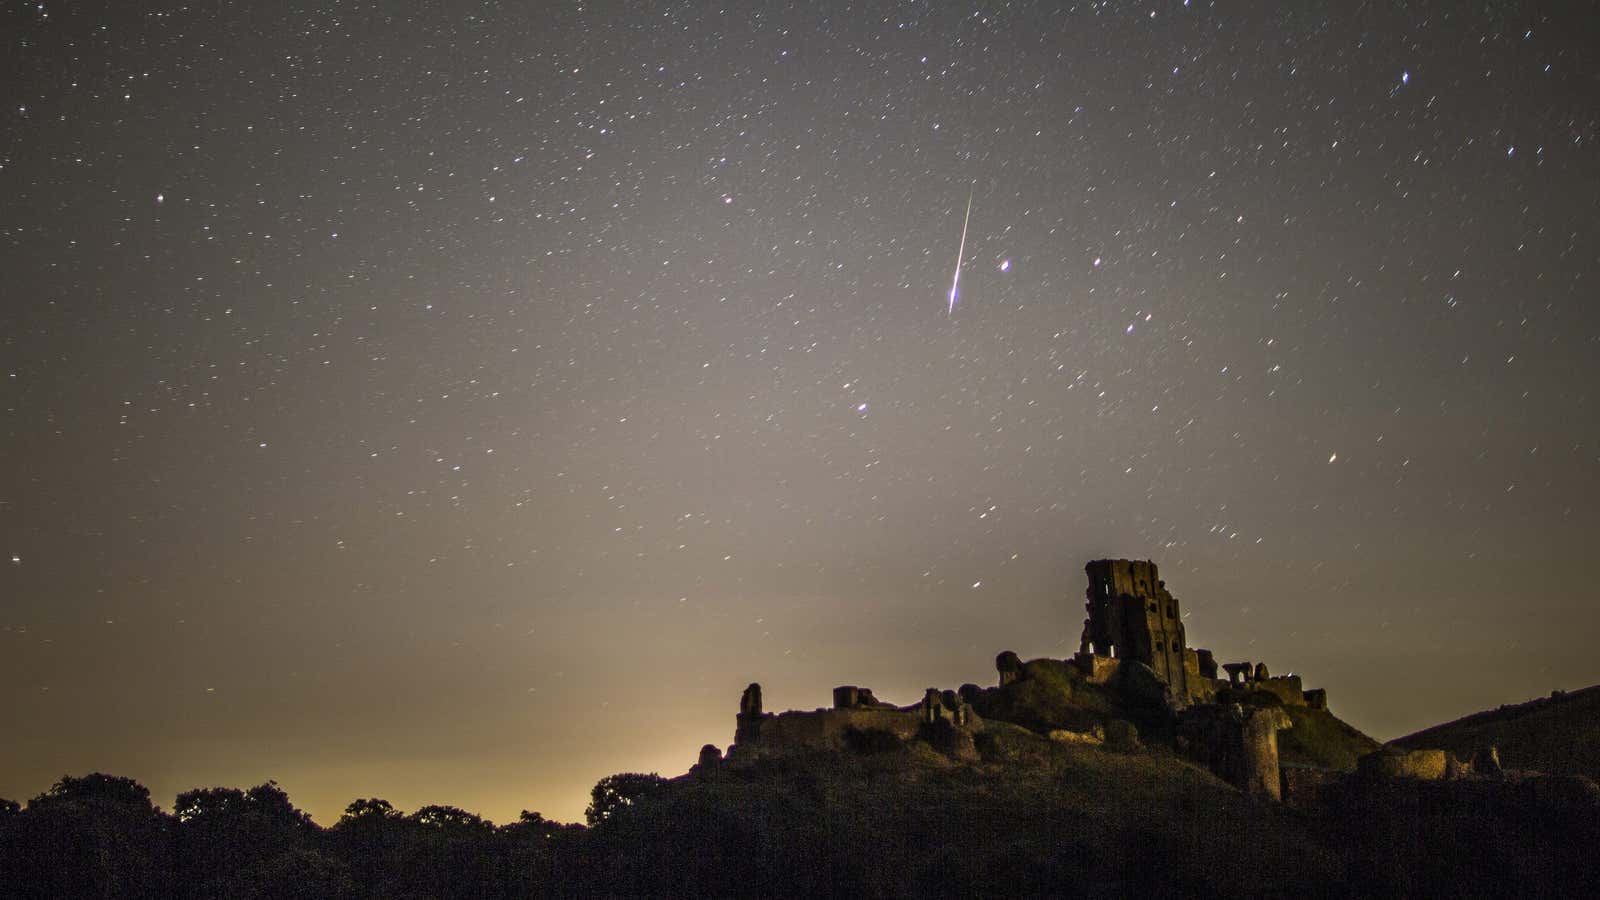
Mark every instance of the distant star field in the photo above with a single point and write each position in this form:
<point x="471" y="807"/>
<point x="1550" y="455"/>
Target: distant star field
<point x="460" y="402"/>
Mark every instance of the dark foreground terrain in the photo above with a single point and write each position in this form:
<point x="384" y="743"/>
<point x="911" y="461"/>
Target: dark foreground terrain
<point x="1033" y="818"/>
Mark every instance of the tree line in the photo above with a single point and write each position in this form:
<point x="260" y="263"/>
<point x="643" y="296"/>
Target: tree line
<point x="100" y="836"/>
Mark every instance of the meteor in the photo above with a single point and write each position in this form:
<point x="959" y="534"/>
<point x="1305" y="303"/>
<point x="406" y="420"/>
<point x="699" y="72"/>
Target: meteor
<point x="959" y="253"/>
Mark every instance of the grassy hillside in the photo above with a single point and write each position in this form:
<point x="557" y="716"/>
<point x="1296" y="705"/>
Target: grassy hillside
<point x="1319" y="738"/>
<point x="1052" y="820"/>
<point x="1037" y="818"/>
<point x="1558" y="734"/>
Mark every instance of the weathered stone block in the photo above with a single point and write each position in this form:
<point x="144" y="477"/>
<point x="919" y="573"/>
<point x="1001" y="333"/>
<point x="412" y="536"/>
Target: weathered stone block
<point x="1094" y="737"/>
<point x="1303" y="785"/>
<point x="1394" y="762"/>
<point x="1259" y="760"/>
<point x="1238" y="743"/>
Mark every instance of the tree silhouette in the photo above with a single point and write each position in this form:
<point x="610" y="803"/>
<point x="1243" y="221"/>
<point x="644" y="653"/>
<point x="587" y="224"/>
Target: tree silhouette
<point x="542" y="855"/>
<point x="95" y="837"/>
<point x="824" y="827"/>
<point x="450" y="819"/>
<point x="223" y="833"/>
<point x="617" y="792"/>
<point x="369" y="811"/>
<point x="372" y="837"/>
<point x="453" y="853"/>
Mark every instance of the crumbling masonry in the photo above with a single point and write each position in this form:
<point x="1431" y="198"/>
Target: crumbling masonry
<point x="1132" y="644"/>
<point x="1131" y="616"/>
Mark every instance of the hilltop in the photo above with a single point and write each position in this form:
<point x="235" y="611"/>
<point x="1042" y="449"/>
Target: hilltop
<point x="1036" y="817"/>
<point x="1135" y="680"/>
<point x="1559" y="734"/>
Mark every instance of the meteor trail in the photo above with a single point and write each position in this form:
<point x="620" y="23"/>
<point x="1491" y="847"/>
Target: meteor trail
<point x="959" y="253"/>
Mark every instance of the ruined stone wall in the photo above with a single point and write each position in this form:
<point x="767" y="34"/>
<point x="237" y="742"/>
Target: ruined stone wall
<point x="1109" y="581"/>
<point x="1285" y="687"/>
<point x="1397" y="762"/>
<point x="1238" y="743"/>
<point x="1305" y="785"/>
<point x="793" y="733"/>
<point x="1201" y="687"/>
<point x="1156" y="631"/>
<point x="1133" y="616"/>
<point x="1096" y="669"/>
<point x="1259" y="776"/>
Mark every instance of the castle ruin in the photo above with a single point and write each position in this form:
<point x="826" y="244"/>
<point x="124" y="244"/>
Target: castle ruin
<point x="1132" y="616"/>
<point x="1132" y="649"/>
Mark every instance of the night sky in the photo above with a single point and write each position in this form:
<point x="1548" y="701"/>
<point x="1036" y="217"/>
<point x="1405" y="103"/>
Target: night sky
<point x="461" y="402"/>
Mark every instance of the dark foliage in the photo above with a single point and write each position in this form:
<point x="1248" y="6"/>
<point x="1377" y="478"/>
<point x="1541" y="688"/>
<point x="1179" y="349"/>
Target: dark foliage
<point x="1066" y="821"/>
<point x="615" y="793"/>
<point x="226" y="840"/>
<point x="94" y="837"/>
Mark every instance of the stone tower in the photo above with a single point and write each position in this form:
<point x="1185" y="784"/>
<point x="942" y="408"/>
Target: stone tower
<point x="1131" y="616"/>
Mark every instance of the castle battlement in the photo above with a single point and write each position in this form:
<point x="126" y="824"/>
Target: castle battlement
<point x="1133" y="663"/>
